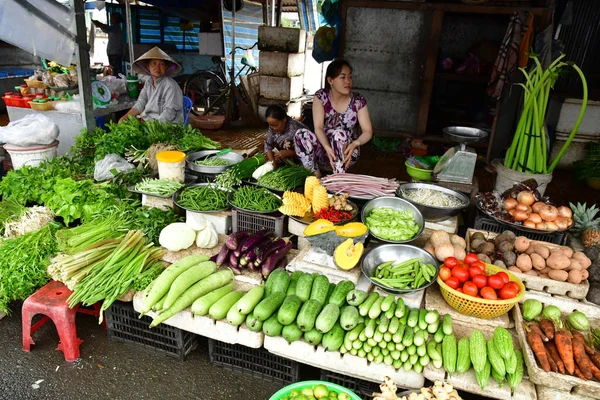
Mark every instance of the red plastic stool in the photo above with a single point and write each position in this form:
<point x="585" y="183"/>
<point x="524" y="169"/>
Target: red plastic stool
<point x="51" y="301"/>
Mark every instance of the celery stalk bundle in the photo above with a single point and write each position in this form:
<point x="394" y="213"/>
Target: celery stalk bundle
<point x="527" y="152"/>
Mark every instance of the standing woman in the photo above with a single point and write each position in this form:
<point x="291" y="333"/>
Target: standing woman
<point x="281" y="135"/>
<point x="336" y="112"/>
<point x="114" y="49"/>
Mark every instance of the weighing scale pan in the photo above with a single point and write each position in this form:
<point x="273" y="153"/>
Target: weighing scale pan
<point x="464" y="134"/>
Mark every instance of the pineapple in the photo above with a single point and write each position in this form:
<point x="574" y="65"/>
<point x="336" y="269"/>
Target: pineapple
<point x="309" y="185"/>
<point x="586" y="224"/>
<point x="320" y="200"/>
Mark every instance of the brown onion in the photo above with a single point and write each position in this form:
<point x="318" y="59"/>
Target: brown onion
<point x="538" y="206"/>
<point x="512" y="212"/>
<point x="526" y="197"/>
<point x="542" y="226"/>
<point x="570" y="222"/>
<point x="529" y="223"/>
<point x="523" y="207"/>
<point x="551" y="226"/>
<point x="564" y="211"/>
<point x="509" y="204"/>
<point x="548" y="213"/>
<point x="535" y="217"/>
<point x="562" y="223"/>
<point x="521" y="215"/>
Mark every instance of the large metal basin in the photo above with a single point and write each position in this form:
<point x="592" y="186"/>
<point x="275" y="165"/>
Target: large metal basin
<point x="398" y="204"/>
<point x="234" y="158"/>
<point x="431" y="213"/>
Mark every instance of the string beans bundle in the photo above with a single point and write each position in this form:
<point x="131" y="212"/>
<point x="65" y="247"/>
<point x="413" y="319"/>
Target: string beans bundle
<point x="243" y="170"/>
<point x="255" y="199"/>
<point x="285" y="178"/>
<point x="160" y="187"/>
<point x="213" y="162"/>
<point x="203" y="198"/>
<point x="410" y="274"/>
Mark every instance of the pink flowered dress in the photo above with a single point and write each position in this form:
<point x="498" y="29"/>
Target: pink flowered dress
<point x="340" y="128"/>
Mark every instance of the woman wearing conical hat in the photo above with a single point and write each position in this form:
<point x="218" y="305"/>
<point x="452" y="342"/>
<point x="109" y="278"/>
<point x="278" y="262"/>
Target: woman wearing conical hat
<point x="161" y="98"/>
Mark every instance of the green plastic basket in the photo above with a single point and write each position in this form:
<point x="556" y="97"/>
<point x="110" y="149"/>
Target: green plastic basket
<point x="419" y="173"/>
<point x="308" y="384"/>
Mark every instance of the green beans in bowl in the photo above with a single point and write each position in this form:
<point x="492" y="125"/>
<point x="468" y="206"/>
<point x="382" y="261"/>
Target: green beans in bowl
<point x="254" y="199"/>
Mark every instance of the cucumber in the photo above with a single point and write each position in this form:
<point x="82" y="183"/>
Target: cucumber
<point x="395" y="355"/>
<point x="413" y="318"/>
<point x="378" y="336"/>
<point x="313" y="337"/>
<point x="375" y="309"/>
<point x="422" y="350"/>
<point x="364" y="308"/>
<point x="439" y="335"/>
<point x="289" y="310"/>
<point x="357" y="344"/>
<point x="400" y="308"/>
<point x="347" y="343"/>
<point x="424" y="360"/>
<point x="391" y="346"/>
<point x="354" y="333"/>
<point x="376" y="351"/>
<point x="414" y="359"/>
<point x="390" y="313"/>
<point x="370" y="328"/>
<point x="399" y="346"/>
<point x="432" y="317"/>
<point x="386" y="304"/>
<point x="220" y="309"/>
<point x="404" y="355"/>
<point x="387" y="337"/>
<point x="370" y="341"/>
<point x="327" y="318"/>
<point x="253" y="323"/>
<point x="279" y="281"/>
<point x="408" y="337"/>
<point x="447" y="324"/>
<point x="202" y="305"/>
<point x="272" y="327"/>
<point x="295" y="276"/>
<point x="308" y="314"/>
<point x="362" y="353"/>
<point x="432" y="351"/>
<point x="188" y="278"/>
<point x="332" y="287"/>
<point x="292" y="287"/>
<point x="234" y="317"/>
<point x="404" y="317"/>
<point x="291" y="333"/>
<point x="319" y="290"/>
<point x="418" y="339"/>
<point x="397" y="337"/>
<point x="397" y="364"/>
<point x="417" y="367"/>
<point x="412" y="350"/>
<point x="394" y="325"/>
<point x="158" y="306"/>
<point x="367" y="348"/>
<point x="356" y="297"/>
<point x="407" y="366"/>
<point x="349" y="317"/>
<point x="338" y="297"/>
<point x="250" y="300"/>
<point x="304" y="286"/>
<point x="433" y="327"/>
<point x="384" y="323"/>
<point x="268" y="306"/>
<point x="385" y="352"/>
<point x="422" y="321"/>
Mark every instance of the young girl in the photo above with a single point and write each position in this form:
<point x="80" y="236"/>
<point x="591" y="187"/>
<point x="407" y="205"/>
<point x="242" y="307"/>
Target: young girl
<point x="282" y="131"/>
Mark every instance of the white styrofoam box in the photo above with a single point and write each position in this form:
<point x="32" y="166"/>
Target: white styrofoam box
<point x="313" y="260"/>
<point x="296" y="228"/>
<point x="345" y="364"/>
<point x="569" y="112"/>
<point x="221" y="220"/>
<point x="286" y="40"/>
<point x="210" y="43"/>
<point x="293" y="108"/>
<point x="412" y="300"/>
<point x="157" y="202"/>
<point x="546" y="393"/>
<point x="468" y="383"/>
<point x="252" y="278"/>
<point x="278" y="88"/>
<point x="363" y="284"/>
<point x="281" y="64"/>
<point x="303" y="243"/>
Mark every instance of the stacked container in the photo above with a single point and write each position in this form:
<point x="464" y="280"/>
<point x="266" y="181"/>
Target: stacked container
<point x="281" y="70"/>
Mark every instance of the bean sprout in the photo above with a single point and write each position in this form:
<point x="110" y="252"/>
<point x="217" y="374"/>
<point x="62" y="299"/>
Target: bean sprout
<point x="432" y="197"/>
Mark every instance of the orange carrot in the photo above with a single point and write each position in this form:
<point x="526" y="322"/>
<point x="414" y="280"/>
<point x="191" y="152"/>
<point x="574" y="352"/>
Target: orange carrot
<point x="595" y="371"/>
<point x="595" y="357"/>
<point x="536" y="329"/>
<point x="551" y="349"/>
<point x="553" y="366"/>
<point x="548" y="328"/>
<point x="583" y="362"/>
<point x="564" y="345"/>
<point x="588" y="349"/>
<point x="579" y="374"/>
<point x="537" y="345"/>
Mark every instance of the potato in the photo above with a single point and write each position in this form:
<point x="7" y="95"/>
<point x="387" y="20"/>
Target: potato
<point x="478" y="236"/>
<point x="542" y="250"/>
<point x="510" y="235"/>
<point x="531" y="249"/>
<point x="546" y="270"/>
<point x="558" y="260"/>
<point x="521" y="244"/>
<point x="567" y="251"/>
<point x="585" y="274"/>
<point x="515" y="269"/>
<point x="429" y="248"/>
<point x="455" y="239"/>
<point x="500" y="263"/>
<point x="531" y="273"/>
<point x="505" y="246"/>
<point x="575" y="265"/>
<point x="476" y="243"/>
<point x="537" y="261"/>
<point x="487" y="248"/>
<point x="499" y="239"/>
<point x="484" y="258"/>
<point x="459" y="252"/>
<point x="543" y="276"/>
<point x="524" y="263"/>
<point x="510" y="258"/>
<point x="575" y="276"/>
<point x="558" y="275"/>
<point x="582" y="258"/>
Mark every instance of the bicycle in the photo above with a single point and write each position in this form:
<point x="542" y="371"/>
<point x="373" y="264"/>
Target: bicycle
<point x="210" y="90"/>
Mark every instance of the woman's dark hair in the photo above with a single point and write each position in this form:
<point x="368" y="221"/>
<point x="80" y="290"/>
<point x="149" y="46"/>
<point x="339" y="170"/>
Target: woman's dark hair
<point x="117" y="16"/>
<point x="276" y="111"/>
<point x="334" y="70"/>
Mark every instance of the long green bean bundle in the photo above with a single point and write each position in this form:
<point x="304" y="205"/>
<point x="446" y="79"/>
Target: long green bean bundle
<point x="285" y="178"/>
<point x="255" y="199"/>
<point x="213" y="162"/>
<point x="160" y="187"/>
<point x="243" y="170"/>
<point x="203" y="198"/>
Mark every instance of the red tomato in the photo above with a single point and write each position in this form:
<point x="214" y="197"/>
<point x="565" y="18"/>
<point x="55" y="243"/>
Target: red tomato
<point x="459" y="290"/>
<point x="480" y="280"/>
<point x="504" y="276"/>
<point x="445" y="273"/>
<point x="453" y="282"/>
<point x="508" y="292"/>
<point x="479" y="264"/>
<point x="514" y="285"/>
<point x="470" y="289"/>
<point x="475" y="270"/>
<point x="488" y="293"/>
<point x="461" y="273"/>
<point x="495" y="281"/>
<point x="450" y="262"/>
<point x="471" y="258"/>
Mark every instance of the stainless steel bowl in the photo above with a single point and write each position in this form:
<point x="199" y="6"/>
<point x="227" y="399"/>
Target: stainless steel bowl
<point x="464" y="134"/>
<point x="234" y="158"/>
<point x="398" y="204"/>
<point x="431" y="213"/>
<point x="398" y="253"/>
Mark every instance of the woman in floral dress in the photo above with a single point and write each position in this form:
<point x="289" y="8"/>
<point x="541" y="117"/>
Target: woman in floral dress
<point x="337" y="114"/>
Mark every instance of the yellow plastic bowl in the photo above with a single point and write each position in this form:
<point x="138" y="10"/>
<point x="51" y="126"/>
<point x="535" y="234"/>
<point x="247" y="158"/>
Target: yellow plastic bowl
<point x="419" y="173"/>
<point x="481" y="308"/>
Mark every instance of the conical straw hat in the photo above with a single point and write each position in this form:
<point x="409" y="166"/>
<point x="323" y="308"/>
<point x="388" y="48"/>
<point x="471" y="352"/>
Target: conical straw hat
<point x="155" y="53"/>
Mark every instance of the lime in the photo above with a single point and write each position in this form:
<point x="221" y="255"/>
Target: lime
<point x="343" y="396"/>
<point x="307" y="392"/>
<point x="321" y="391"/>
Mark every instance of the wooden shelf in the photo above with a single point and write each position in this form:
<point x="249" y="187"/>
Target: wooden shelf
<point x="453" y="76"/>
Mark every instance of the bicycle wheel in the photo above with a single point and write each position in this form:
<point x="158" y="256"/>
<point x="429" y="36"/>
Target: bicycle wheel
<point x="205" y="88"/>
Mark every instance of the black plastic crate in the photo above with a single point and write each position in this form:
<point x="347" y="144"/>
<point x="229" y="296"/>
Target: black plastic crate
<point x="246" y="221"/>
<point x="124" y="325"/>
<point x="362" y="388"/>
<point x="255" y="362"/>
<point x="485" y="223"/>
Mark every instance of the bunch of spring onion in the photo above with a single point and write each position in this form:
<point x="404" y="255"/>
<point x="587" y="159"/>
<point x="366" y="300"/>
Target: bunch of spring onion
<point x="159" y="187"/>
<point x="10" y="210"/>
<point x="101" y="227"/>
<point x="285" y="178"/>
<point x="243" y="170"/>
<point x="527" y="152"/>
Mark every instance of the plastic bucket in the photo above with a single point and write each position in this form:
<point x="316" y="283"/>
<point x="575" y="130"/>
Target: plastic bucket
<point x="133" y="86"/>
<point x="419" y="174"/>
<point x="506" y="178"/>
<point x="31" y="156"/>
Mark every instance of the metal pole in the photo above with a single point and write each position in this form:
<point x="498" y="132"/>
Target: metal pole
<point x="83" y="66"/>
<point x="129" y="32"/>
<point x="272" y="12"/>
<point x="232" y="71"/>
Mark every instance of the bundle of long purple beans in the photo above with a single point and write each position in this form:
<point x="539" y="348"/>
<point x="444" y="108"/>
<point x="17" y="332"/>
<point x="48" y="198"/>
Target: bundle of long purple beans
<point x="261" y="251"/>
<point x="360" y="185"/>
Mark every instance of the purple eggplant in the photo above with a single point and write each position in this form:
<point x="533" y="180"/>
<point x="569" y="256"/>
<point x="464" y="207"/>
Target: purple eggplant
<point x="238" y="250"/>
<point x="270" y="248"/>
<point x="233" y="260"/>
<point x="213" y="258"/>
<point x="223" y="255"/>
<point x="253" y="240"/>
<point x="248" y="258"/>
<point x="236" y="270"/>
<point x="273" y="260"/>
<point x="233" y="239"/>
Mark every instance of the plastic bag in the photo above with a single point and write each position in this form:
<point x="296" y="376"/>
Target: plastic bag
<point x="62" y="80"/>
<point x="111" y="163"/>
<point x="48" y="79"/>
<point x="326" y="44"/>
<point x="115" y="84"/>
<point x="31" y="130"/>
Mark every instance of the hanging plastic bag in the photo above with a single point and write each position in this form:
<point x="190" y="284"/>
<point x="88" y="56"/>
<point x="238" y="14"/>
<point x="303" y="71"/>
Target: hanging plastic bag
<point x="326" y="44"/>
<point x="109" y="166"/>
<point x="330" y="10"/>
<point x="31" y="130"/>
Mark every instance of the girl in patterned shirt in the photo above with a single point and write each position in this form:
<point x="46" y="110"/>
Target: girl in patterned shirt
<point x="279" y="143"/>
